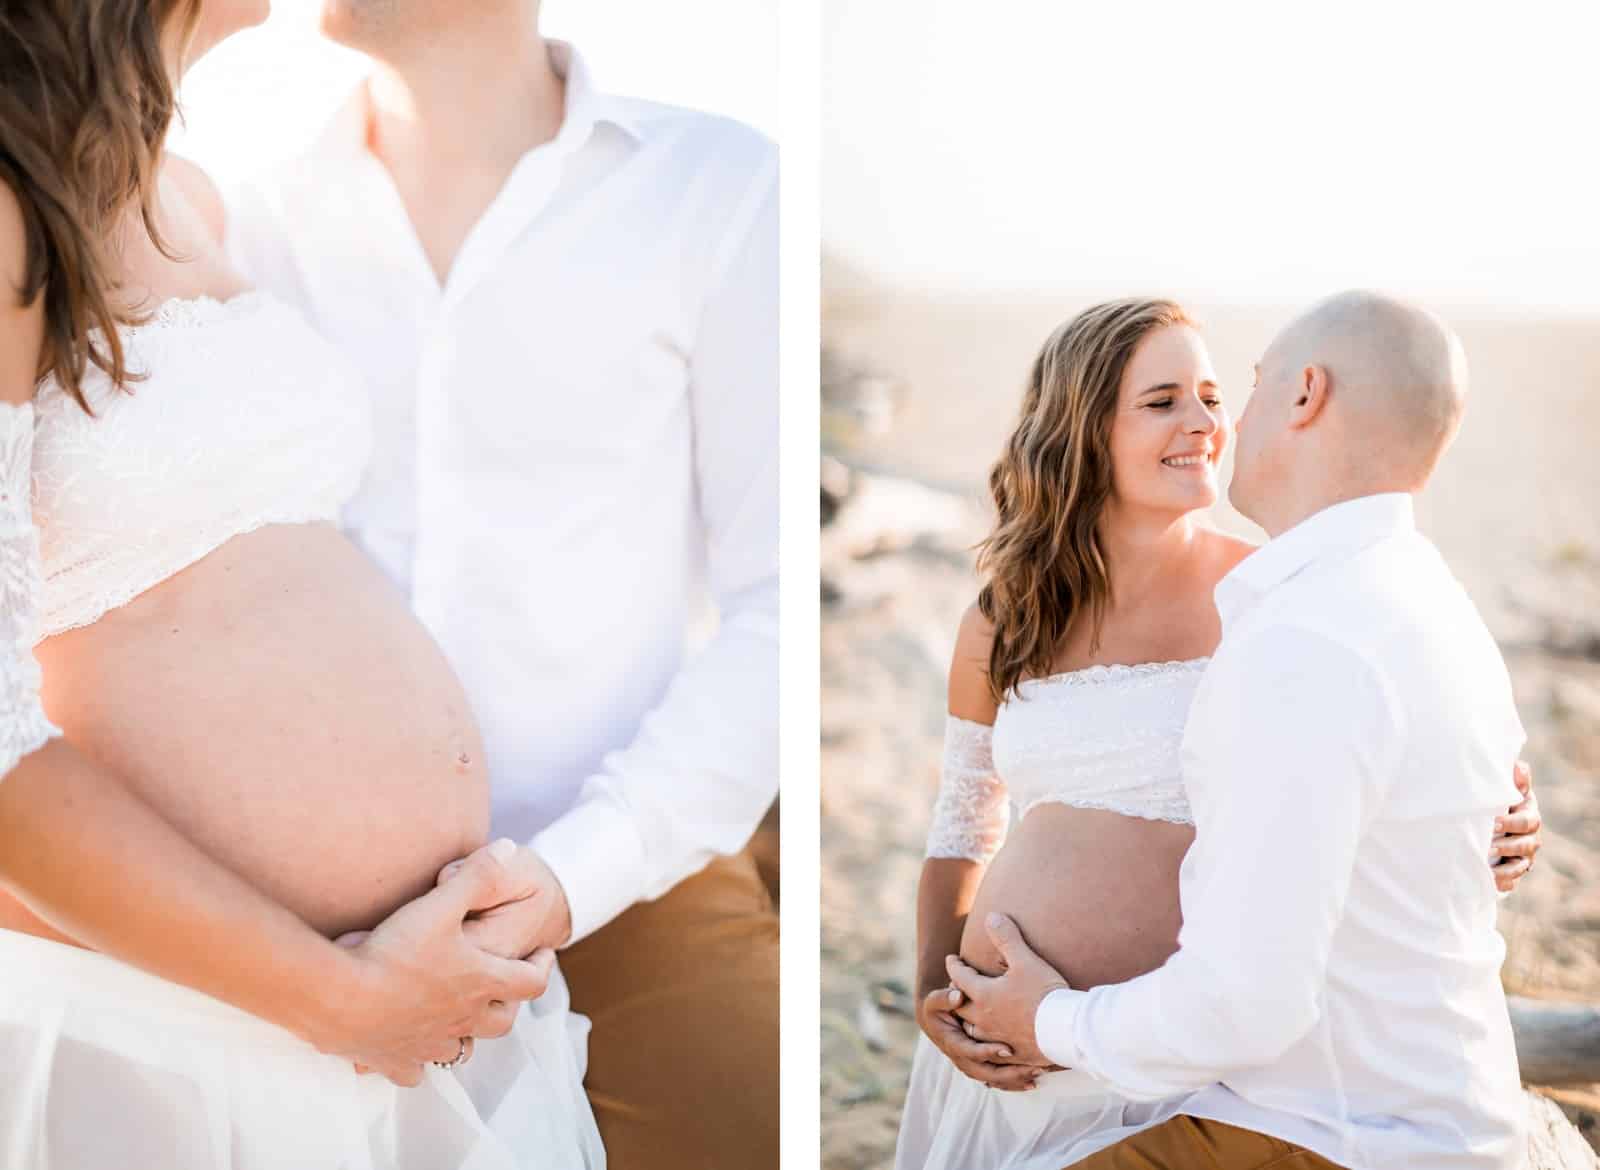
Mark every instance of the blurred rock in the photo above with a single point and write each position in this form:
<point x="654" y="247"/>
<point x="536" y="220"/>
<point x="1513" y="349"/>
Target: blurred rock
<point x="1554" y="1143"/>
<point x="857" y="403"/>
<point x="869" y="1023"/>
<point x="836" y="481"/>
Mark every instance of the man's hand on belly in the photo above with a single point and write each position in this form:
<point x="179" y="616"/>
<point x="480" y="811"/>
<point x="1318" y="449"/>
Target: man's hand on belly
<point x="537" y="918"/>
<point x="420" y="988"/>
<point x="1001" y="1009"/>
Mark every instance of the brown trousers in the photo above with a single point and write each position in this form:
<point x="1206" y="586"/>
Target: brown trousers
<point x="683" y="993"/>
<point x="1193" y="1143"/>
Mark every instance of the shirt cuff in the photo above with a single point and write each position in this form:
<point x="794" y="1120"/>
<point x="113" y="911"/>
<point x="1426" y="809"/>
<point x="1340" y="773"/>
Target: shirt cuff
<point x="1055" y="1027"/>
<point x="598" y="857"/>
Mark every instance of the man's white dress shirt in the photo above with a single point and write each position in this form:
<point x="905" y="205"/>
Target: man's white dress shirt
<point x="576" y="444"/>
<point x="1337" y="978"/>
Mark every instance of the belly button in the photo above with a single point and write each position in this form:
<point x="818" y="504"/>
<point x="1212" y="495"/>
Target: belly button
<point x="464" y="760"/>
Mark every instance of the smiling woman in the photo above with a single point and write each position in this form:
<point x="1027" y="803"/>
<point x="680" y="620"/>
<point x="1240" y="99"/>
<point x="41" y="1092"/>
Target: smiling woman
<point x="1070" y="679"/>
<point x="1112" y="393"/>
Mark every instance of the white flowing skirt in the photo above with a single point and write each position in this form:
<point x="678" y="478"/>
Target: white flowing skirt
<point x="952" y="1122"/>
<point x="103" y="1065"/>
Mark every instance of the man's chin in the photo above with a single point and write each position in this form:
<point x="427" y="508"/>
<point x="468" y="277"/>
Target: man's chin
<point x="1237" y="499"/>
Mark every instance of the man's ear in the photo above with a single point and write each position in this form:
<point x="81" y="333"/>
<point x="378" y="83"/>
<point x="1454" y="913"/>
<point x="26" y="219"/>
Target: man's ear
<point x="1311" y="395"/>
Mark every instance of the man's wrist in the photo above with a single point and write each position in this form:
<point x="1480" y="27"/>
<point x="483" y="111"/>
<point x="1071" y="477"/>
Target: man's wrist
<point x="561" y="912"/>
<point x="1055" y="1026"/>
<point x="598" y="857"/>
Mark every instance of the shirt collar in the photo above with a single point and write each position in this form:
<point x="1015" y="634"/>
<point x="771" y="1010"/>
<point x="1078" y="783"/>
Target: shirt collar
<point x="586" y="104"/>
<point x="345" y="135"/>
<point x="1333" y="534"/>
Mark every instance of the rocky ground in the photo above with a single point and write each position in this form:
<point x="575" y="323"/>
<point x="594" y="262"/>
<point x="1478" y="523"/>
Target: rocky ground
<point x="896" y="568"/>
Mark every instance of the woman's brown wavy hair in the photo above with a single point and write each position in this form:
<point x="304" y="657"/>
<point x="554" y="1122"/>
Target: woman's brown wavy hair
<point x="86" y="98"/>
<point x="1043" y="566"/>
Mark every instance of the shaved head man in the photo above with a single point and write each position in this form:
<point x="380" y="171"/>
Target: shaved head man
<point x="1359" y="395"/>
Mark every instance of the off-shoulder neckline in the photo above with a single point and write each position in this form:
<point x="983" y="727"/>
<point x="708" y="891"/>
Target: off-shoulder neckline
<point x="191" y="310"/>
<point x="1105" y="672"/>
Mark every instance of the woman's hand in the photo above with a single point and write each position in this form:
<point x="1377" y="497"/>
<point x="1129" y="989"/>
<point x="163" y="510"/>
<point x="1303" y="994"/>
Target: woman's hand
<point x="994" y="1065"/>
<point x="1002" y="1007"/>
<point x="1516" y="841"/>
<point x="421" y="986"/>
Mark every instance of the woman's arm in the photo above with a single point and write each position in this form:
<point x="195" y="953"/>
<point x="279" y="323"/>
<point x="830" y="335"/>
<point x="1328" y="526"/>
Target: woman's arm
<point x="84" y="853"/>
<point x="969" y="823"/>
<point x="944" y="899"/>
<point x="969" y="816"/>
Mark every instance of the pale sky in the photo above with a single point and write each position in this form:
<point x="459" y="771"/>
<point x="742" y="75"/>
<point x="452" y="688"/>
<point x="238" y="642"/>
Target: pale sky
<point x="259" y="96"/>
<point x="1241" y="150"/>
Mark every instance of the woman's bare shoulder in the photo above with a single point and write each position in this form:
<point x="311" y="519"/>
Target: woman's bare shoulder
<point x="1221" y="551"/>
<point x="199" y="191"/>
<point x="969" y="694"/>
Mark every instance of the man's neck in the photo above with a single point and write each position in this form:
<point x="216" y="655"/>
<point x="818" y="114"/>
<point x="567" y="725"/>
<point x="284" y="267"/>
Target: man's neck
<point x="450" y="119"/>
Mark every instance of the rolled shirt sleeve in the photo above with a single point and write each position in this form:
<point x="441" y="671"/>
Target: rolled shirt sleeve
<point x="1292" y="765"/>
<point x="702" y="769"/>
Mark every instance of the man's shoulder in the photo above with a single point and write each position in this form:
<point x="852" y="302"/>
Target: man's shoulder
<point x="1396" y="576"/>
<point x="1395" y="607"/>
<point x="689" y="125"/>
<point x="713" y="143"/>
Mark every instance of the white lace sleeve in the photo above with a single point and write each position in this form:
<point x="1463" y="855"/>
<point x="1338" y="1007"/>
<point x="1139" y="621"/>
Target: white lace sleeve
<point x="972" y="813"/>
<point x="23" y="726"/>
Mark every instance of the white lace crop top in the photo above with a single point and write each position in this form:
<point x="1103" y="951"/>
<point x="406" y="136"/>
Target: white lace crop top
<point x="1106" y="737"/>
<point x="245" y="417"/>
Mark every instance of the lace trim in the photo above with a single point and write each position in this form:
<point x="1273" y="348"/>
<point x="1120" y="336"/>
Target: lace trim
<point x="23" y="726"/>
<point x="1165" y="810"/>
<point x="1116" y="672"/>
<point x="77" y="612"/>
<point x="972" y="813"/>
<point x="187" y="312"/>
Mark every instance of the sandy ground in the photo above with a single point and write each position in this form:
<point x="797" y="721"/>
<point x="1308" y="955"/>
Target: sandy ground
<point x="1512" y="509"/>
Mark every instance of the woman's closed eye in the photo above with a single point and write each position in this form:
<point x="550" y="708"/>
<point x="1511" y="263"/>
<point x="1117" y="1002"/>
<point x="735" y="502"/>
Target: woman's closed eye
<point x="1166" y="403"/>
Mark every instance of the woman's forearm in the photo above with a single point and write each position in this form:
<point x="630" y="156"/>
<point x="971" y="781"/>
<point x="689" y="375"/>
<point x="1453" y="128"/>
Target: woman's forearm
<point x="944" y="898"/>
<point x="86" y="854"/>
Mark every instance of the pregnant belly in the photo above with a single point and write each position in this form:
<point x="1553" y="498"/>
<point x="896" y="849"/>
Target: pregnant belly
<point x="1094" y="893"/>
<point x="280" y="706"/>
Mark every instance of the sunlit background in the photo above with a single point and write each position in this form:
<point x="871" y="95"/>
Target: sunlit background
<point x="260" y="96"/>
<point x="1244" y="150"/>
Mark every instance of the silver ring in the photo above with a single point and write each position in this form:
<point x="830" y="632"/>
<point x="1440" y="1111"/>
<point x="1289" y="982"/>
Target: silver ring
<point x="460" y="1058"/>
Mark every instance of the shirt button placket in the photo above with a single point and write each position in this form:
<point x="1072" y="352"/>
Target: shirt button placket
<point x="430" y="417"/>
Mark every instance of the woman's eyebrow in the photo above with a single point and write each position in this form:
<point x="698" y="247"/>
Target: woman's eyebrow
<point x="1171" y="387"/>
